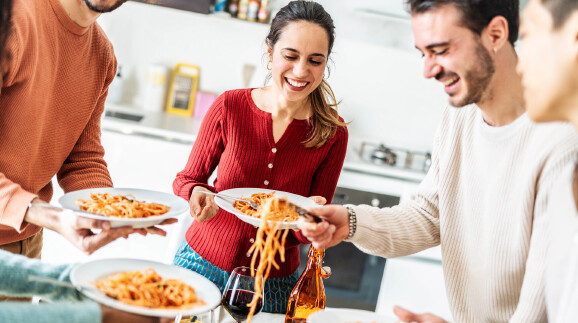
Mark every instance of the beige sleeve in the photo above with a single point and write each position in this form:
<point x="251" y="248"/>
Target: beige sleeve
<point x="403" y="229"/>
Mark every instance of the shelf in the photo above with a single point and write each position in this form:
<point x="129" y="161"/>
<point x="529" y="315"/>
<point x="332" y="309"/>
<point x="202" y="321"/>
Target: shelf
<point x="200" y="6"/>
<point x="383" y="15"/>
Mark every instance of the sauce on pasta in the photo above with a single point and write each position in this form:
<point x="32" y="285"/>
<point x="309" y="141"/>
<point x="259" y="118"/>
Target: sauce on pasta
<point x="148" y="289"/>
<point x="123" y="206"/>
<point x="279" y="211"/>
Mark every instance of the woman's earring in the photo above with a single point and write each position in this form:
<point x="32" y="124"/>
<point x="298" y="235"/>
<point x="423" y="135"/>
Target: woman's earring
<point x="270" y="65"/>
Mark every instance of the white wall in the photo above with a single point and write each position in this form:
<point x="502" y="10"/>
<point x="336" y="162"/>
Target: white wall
<point x="382" y="89"/>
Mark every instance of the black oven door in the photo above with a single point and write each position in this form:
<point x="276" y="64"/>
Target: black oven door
<point x="356" y="276"/>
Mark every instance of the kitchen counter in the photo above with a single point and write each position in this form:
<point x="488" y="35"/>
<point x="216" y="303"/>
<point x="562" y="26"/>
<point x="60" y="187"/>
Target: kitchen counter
<point x="355" y="163"/>
<point x="184" y="129"/>
<point x="161" y="125"/>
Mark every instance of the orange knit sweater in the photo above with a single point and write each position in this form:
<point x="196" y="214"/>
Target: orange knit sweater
<point x="54" y="84"/>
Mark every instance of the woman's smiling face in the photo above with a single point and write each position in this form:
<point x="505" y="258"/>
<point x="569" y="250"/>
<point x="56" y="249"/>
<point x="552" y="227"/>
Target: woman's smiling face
<point x="298" y="60"/>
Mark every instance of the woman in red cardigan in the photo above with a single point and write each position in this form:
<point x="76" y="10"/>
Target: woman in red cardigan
<point x="286" y="136"/>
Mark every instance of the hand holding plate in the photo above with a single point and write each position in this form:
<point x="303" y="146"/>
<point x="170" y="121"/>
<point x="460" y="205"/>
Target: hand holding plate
<point x="77" y="230"/>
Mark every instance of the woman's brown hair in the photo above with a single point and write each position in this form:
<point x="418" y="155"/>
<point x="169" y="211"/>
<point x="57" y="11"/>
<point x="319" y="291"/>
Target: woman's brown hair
<point x="326" y="121"/>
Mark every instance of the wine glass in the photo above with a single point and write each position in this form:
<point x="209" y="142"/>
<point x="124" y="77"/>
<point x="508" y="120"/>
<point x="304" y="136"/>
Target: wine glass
<point x="239" y="292"/>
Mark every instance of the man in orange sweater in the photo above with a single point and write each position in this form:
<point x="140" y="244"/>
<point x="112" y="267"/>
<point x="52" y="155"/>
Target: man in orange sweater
<point x="59" y="64"/>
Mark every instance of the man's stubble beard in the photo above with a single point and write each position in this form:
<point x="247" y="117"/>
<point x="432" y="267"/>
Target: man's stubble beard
<point x="478" y="78"/>
<point x="103" y="9"/>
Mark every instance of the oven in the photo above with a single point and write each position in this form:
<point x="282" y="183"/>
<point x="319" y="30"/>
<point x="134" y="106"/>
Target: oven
<point x="356" y="276"/>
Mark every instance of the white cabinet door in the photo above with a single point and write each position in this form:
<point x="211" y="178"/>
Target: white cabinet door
<point x="143" y="162"/>
<point x="138" y="162"/>
<point x="416" y="284"/>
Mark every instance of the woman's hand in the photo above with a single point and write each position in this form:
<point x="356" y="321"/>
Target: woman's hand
<point x="318" y="199"/>
<point x="203" y="206"/>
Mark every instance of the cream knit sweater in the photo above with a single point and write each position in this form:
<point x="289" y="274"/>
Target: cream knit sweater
<point x="484" y="200"/>
<point x="562" y="260"/>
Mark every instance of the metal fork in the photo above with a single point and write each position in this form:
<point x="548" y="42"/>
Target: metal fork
<point x="252" y="204"/>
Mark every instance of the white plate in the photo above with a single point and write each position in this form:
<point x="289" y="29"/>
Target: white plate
<point x="227" y="205"/>
<point x="177" y="205"/>
<point x="345" y="315"/>
<point x="85" y="274"/>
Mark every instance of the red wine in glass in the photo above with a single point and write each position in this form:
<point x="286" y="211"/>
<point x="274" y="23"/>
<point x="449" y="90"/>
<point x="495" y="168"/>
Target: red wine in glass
<point x="239" y="293"/>
<point x="236" y="302"/>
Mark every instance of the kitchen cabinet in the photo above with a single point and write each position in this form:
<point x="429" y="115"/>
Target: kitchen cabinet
<point x="200" y="6"/>
<point x="378" y="22"/>
<point x="136" y="160"/>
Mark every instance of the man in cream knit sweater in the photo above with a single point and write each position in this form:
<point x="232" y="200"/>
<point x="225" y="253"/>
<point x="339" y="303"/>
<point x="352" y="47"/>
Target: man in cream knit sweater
<point x="485" y="196"/>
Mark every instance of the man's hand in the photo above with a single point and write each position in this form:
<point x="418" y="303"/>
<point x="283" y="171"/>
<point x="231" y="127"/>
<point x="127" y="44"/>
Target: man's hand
<point x="78" y="230"/>
<point x="407" y="316"/>
<point x="159" y="231"/>
<point x="330" y="232"/>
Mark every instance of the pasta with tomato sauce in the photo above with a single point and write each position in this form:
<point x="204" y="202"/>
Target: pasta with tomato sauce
<point x="148" y="289"/>
<point x="281" y="212"/>
<point x="122" y="206"/>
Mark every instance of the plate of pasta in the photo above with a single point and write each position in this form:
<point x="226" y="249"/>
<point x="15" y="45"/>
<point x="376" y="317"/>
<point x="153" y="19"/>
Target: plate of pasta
<point x="346" y="315"/>
<point x="145" y="287"/>
<point x="134" y="207"/>
<point x="263" y="198"/>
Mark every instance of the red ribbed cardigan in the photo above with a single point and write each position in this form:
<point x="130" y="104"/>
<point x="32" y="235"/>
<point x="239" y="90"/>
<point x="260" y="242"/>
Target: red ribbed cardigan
<point x="237" y="137"/>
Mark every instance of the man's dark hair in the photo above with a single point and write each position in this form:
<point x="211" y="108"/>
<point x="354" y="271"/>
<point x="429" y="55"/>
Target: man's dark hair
<point x="560" y="10"/>
<point x="477" y="14"/>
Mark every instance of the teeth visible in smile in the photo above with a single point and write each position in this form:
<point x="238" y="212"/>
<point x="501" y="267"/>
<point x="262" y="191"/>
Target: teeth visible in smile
<point x="450" y="81"/>
<point x="296" y="84"/>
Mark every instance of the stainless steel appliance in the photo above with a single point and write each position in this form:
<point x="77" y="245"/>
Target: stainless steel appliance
<point x="379" y="153"/>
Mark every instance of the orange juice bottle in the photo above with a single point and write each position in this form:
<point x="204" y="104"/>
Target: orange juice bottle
<point x="308" y="295"/>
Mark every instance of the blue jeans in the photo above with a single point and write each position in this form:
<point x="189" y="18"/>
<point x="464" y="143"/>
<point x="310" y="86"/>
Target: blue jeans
<point x="277" y="290"/>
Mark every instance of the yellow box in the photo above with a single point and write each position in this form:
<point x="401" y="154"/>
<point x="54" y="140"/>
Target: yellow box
<point x="183" y="88"/>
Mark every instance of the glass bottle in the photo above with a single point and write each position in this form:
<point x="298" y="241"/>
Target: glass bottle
<point x="263" y="14"/>
<point x="243" y="8"/>
<point x="308" y="295"/>
<point x="234" y="8"/>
